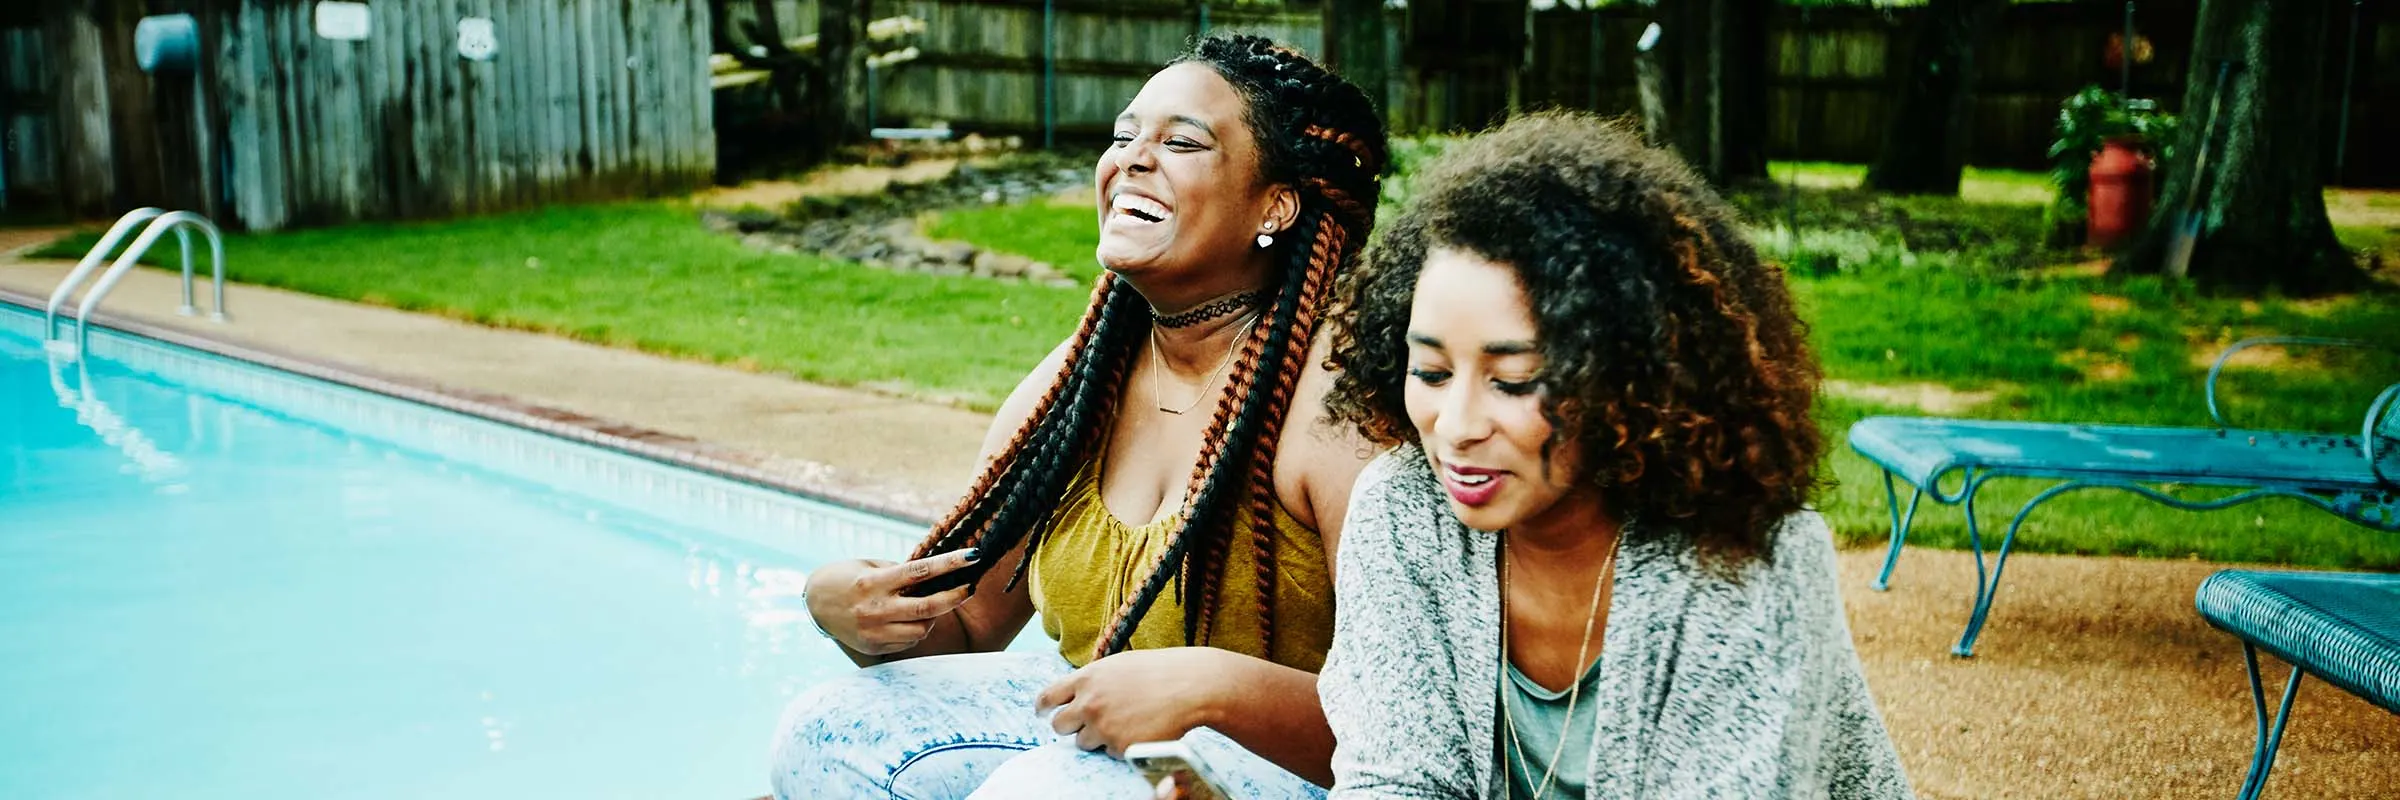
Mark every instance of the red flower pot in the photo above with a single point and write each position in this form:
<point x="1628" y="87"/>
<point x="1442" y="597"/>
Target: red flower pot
<point x="2121" y="193"/>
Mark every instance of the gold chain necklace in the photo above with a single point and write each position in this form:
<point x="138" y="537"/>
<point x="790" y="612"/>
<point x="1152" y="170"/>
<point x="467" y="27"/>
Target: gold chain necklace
<point x="1582" y="651"/>
<point x="1158" y="397"/>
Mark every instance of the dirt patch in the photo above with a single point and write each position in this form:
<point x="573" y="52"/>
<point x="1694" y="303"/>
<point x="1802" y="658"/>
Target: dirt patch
<point x="2318" y="307"/>
<point x="2096" y="367"/>
<point x="2363" y="207"/>
<point x="2094" y="679"/>
<point x="2110" y="304"/>
<point x="2263" y="358"/>
<point x="2093" y="268"/>
<point x="848" y="179"/>
<point x="18" y="241"/>
<point x="1931" y="398"/>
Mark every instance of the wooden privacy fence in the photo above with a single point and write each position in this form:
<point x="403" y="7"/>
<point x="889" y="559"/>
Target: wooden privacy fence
<point x="604" y="98"/>
<point x="280" y="126"/>
<point x="27" y="143"/>
<point x="1829" y="81"/>
<point x="982" y="61"/>
<point x="1830" y="74"/>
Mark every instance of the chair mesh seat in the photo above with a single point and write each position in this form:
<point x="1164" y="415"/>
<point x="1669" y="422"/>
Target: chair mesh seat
<point x="2343" y="628"/>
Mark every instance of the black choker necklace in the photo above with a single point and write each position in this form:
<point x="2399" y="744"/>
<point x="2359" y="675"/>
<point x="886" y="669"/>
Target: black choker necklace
<point x="1207" y="312"/>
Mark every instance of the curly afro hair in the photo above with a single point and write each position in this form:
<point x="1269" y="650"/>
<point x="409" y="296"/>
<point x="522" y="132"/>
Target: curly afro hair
<point x="1671" y="355"/>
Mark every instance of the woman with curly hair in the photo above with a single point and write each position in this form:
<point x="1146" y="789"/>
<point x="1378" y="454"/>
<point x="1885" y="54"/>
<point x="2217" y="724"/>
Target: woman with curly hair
<point x="1588" y="569"/>
<point x="1164" y="490"/>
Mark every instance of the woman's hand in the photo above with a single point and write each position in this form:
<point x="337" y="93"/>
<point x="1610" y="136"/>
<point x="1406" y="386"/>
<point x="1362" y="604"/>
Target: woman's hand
<point x="859" y="603"/>
<point x="1137" y="696"/>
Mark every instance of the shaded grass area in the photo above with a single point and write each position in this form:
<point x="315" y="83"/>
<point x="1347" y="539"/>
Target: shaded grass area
<point x="2366" y="221"/>
<point x="1821" y="232"/>
<point x="646" y="276"/>
<point x="1979" y="185"/>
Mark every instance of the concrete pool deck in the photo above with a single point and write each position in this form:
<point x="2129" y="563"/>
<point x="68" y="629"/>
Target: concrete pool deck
<point x="2094" y="679"/>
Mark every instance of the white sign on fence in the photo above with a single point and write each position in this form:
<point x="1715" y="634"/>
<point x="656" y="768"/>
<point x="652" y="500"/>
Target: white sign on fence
<point x="348" y="22"/>
<point x="476" y="39"/>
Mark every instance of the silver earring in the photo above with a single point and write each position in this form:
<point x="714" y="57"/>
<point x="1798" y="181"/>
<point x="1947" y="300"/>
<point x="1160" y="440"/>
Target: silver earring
<point x="1265" y="241"/>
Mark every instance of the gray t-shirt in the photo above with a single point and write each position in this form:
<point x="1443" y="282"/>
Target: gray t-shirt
<point x="1539" y="717"/>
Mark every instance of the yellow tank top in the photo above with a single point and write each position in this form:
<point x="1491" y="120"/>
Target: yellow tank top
<point x="1090" y="562"/>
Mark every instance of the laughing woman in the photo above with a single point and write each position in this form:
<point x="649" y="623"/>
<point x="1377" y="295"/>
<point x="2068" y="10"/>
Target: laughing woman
<point x="1164" y="490"/>
<point x="1589" y="570"/>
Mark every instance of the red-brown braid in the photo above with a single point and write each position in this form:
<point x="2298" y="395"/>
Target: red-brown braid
<point x="946" y="534"/>
<point x="1325" y="255"/>
<point x="1368" y="159"/>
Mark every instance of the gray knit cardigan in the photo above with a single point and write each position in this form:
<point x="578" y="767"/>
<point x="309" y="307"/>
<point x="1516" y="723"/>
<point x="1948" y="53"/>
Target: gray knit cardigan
<point x="1708" y="687"/>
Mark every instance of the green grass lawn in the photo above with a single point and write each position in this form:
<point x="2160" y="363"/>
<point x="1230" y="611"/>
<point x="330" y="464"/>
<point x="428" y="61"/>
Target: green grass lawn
<point x="647" y="276"/>
<point x="1060" y="233"/>
<point x="2006" y="340"/>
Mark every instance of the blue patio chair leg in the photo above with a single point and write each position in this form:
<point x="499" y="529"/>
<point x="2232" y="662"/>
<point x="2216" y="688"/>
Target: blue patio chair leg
<point x="1966" y="643"/>
<point x="1900" y="526"/>
<point x="2262" y="759"/>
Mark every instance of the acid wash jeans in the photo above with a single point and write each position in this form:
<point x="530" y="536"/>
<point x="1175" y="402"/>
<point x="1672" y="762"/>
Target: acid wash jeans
<point x="963" y="726"/>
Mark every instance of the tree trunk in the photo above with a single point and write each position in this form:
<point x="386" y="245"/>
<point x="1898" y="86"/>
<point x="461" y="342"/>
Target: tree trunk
<point x="841" y="85"/>
<point x="1925" y="143"/>
<point x="2260" y="205"/>
<point x="1354" y="45"/>
<point x="1719" y="119"/>
<point x="1743" y="83"/>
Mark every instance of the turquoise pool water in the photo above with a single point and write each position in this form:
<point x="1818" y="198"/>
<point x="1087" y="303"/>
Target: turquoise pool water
<point x="220" y="581"/>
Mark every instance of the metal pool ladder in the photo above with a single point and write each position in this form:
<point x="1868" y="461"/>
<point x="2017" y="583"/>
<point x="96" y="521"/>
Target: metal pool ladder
<point x="160" y="222"/>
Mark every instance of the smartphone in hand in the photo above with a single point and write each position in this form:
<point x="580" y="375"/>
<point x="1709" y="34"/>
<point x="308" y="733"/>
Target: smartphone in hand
<point x="1178" y="762"/>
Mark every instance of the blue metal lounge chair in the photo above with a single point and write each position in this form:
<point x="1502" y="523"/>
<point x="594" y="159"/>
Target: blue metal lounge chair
<point x="2354" y="477"/>
<point x="2343" y="628"/>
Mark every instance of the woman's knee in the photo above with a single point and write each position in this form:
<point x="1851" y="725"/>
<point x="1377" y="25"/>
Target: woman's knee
<point x="930" y="727"/>
<point x="1060" y="769"/>
<point x="824" y="744"/>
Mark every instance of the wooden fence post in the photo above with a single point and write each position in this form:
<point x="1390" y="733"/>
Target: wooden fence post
<point x="87" y="173"/>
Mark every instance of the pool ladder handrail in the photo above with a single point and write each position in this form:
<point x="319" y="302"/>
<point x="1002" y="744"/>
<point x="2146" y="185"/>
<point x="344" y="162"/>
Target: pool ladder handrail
<point x="181" y="222"/>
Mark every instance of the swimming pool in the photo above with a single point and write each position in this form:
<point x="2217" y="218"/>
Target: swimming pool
<point x="223" y="581"/>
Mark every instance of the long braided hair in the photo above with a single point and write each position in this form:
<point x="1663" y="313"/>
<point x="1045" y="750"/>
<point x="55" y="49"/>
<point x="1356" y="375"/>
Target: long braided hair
<point x="1317" y="134"/>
